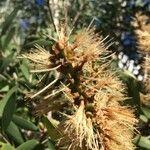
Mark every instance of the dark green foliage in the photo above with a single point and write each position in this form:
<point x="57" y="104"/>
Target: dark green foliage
<point x="142" y="141"/>
<point x="6" y="146"/>
<point x="146" y="112"/>
<point x="31" y="144"/>
<point x="8" y="21"/>
<point x="14" y="133"/>
<point x="24" y="124"/>
<point x="51" y="129"/>
<point x="7" y="107"/>
<point x="51" y="145"/>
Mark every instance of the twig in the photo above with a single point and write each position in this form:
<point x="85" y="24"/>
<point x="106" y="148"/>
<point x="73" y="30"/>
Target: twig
<point x="46" y="87"/>
<point x="66" y="16"/>
<point x="91" y="23"/>
<point x="78" y="14"/>
<point x="1" y="135"/>
<point x="45" y="70"/>
<point x="51" y="16"/>
<point x="54" y="93"/>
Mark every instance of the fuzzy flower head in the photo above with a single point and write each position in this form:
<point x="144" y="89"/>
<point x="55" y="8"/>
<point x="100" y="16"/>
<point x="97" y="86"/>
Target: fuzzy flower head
<point x="143" y="35"/>
<point x="142" y="30"/>
<point x="84" y="92"/>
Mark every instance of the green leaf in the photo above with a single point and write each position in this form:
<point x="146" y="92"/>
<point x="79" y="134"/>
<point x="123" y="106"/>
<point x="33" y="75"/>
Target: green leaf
<point x="6" y="146"/>
<point x="14" y="133"/>
<point x="25" y="70"/>
<point x="139" y="3"/>
<point x="40" y="42"/>
<point x="7" y="107"/>
<point x="51" y="145"/>
<point x="142" y="142"/>
<point x="143" y="118"/>
<point x="8" y="38"/>
<point x="133" y="91"/>
<point x="4" y="89"/>
<point x="52" y="130"/>
<point x="6" y="62"/>
<point x="8" y="21"/>
<point x="29" y="145"/>
<point x="146" y="112"/>
<point x="23" y="123"/>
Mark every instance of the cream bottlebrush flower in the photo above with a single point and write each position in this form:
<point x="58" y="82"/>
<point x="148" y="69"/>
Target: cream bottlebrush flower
<point x="116" y="124"/>
<point x="81" y="127"/>
<point x="108" y="119"/>
<point x="89" y="92"/>
<point x="142" y="29"/>
<point x="145" y="99"/>
<point x="144" y="40"/>
<point x="143" y="34"/>
<point x="89" y="46"/>
<point x="111" y="125"/>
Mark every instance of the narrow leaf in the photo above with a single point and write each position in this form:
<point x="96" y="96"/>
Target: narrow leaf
<point x="142" y="142"/>
<point x="7" y="147"/>
<point x="8" y="21"/>
<point x="29" y="145"/>
<point x="7" y="107"/>
<point x="8" y="38"/>
<point x="53" y="132"/>
<point x="41" y="42"/>
<point x="146" y="112"/>
<point x="51" y="145"/>
<point x="143" y="118"/>
<point x="14" y="133"/>
<point x="23" y="123"/>
<point x="25" y="70"/>
<point x="4" y="89"/>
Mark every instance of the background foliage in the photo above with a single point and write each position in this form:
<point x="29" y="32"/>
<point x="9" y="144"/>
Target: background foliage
<point x="24" y="24"/>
